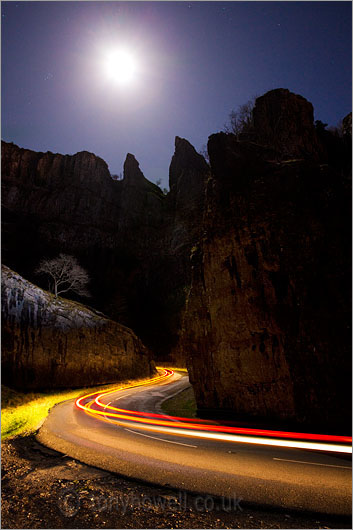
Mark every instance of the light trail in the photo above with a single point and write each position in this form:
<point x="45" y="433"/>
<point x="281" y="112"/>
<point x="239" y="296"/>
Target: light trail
<point x="92" y="404"/>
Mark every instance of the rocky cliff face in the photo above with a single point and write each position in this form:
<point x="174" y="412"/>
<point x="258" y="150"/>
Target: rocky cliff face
<point x="56" y="343"/>
<point x="188" y="175"/>
<point x="73" y="202"/>
<point x="133" y="241"/>
<point x="266" y="332"/>
<point x="258" y="243"/>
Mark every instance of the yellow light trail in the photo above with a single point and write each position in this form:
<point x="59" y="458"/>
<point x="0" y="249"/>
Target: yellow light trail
<point x="200" y="429"/>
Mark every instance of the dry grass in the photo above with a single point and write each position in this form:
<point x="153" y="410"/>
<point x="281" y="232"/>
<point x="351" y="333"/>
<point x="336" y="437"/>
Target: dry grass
<point x="23" y="413"/>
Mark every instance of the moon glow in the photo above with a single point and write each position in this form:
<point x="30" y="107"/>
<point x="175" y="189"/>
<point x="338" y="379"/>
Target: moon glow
<point x="120" y="67"/>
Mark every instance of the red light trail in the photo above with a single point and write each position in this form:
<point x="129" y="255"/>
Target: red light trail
<point x="93" y="405"/>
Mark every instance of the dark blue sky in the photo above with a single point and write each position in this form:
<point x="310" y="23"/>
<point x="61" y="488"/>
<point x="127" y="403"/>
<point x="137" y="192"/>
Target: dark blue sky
<point x="197" y="61"/>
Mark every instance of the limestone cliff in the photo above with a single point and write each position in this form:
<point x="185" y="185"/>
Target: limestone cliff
<point x="266" y="332"/>
<point x="53" y="203"/>
<point x="133" y="241"/>
<point x="50" y="342"/>
<point x="73" y="203"/>
<point x="188" y="175"/>
<point x="285" y="122"/>
<point x="258" y="243"/>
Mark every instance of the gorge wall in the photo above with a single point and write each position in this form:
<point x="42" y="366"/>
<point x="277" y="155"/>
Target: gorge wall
<point x="50" y="342"/>
<point x="242" y="270"/>
<point x="133" y="241"/>
<point x="267" y="327"/>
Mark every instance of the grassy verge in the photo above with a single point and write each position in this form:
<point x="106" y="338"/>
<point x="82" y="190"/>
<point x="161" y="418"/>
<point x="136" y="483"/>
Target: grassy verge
<point x="175" y="368"/>
<point x="183" y="404"/>
<point x="23" y="413"/>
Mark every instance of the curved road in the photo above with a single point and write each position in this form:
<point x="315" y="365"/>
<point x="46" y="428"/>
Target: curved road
<point x="290" y="478"/>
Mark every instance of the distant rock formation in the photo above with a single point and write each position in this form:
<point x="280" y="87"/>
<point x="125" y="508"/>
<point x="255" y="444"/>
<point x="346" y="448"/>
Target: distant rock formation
<point x="50" y="342"/>
<point x="188" y="173"/>
<point x="132" y="172"/>
<point x="134" y="241"/>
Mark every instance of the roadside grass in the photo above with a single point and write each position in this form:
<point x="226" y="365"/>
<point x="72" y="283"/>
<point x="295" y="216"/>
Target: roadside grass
<point x="23" y="413"/>
<point x="183" y="404"/>
<point x="174" y="368"/>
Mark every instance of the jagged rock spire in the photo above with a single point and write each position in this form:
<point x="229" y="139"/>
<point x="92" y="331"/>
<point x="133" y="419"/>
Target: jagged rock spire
<point x="185" y="158"/>
<point x="132" y="171"/>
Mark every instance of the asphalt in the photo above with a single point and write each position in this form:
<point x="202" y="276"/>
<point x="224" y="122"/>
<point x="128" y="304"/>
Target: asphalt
<point x="264" y="476"/>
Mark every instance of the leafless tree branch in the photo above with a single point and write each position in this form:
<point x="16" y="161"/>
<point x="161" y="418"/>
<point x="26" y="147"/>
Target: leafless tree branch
<point x="66" y="273"/>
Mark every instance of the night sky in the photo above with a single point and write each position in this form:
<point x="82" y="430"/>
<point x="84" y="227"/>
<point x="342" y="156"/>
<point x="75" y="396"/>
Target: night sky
<point x="195" y="62"/>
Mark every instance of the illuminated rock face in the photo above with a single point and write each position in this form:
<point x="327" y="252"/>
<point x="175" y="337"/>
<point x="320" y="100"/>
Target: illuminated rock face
<point x="134" y="241"/>
<point x="266" y="332"/>
<point x="56" y="343"/>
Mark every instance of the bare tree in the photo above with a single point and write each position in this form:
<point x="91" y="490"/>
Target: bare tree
<point x="241" y="120"/>
<point x="65" y="274"/>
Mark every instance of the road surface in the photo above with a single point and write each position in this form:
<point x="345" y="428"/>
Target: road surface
<point x="263" y="475"/>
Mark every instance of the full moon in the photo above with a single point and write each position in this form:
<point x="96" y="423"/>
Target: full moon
<point x="120" y="66"/>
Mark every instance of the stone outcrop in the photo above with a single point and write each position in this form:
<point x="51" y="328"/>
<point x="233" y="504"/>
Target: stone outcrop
<point x="134" y="241"/>
<point x="141" y="209"/>
<point x="164" y="238"/>
<point x="187" y="174"/>
<point x="54" y="203"/>
<point x="266" y="333"/>
<point x="50" y="342"/>
<point x="285" y="122"/>
<point x="72" y="200"/>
